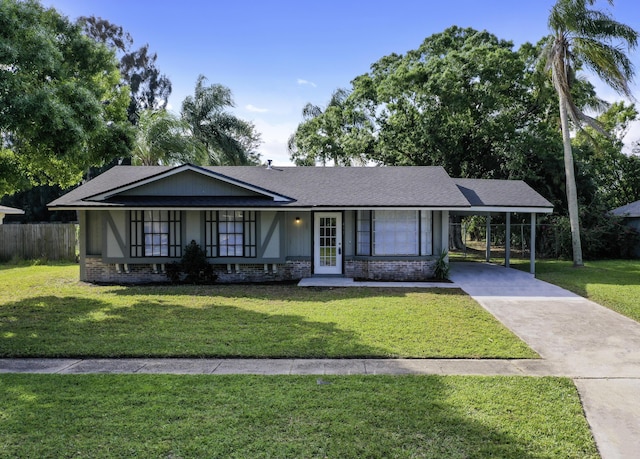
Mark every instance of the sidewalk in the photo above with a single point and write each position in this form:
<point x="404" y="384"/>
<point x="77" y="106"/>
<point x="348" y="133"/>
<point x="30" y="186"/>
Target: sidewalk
<point x="282" y="366"/>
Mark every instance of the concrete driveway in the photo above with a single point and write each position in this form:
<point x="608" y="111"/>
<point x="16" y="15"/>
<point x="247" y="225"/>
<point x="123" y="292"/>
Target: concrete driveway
<point x="598" y="348"/>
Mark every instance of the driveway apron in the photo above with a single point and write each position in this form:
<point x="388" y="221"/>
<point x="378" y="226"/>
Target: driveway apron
<point x="598" y="348"/>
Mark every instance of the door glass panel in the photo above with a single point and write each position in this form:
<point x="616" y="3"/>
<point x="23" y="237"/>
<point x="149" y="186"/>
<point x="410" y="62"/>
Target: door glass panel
<point x="328" y="252"/>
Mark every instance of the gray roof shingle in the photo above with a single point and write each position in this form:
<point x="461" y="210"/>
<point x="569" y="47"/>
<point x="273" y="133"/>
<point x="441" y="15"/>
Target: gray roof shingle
<point x="499" y="193"/>
<point x="631" y="210"/>
<point x="311" y="187"/>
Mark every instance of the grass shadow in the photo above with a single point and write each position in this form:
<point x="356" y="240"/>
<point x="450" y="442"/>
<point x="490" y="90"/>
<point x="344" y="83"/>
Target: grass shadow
<point x="79" y="327"/>
<point x="292" y="416"/>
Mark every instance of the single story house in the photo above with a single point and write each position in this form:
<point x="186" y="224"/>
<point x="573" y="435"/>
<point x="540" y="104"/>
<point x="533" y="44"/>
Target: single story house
<point x="4" y="210"/>
<point x="631" y="215"/>
<point x="268" y="223"/>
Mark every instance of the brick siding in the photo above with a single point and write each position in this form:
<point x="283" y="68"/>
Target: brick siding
<point x="100" y="272"/>
<point x="390" y="270"/>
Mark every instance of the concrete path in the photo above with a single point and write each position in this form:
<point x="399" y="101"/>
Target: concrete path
<point x="483" y="367"/>
<point x="597" y="347"/>
<point x="575" y="337"/>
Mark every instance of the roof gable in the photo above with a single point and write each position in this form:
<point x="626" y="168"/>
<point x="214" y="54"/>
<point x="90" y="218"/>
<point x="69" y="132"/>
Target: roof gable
<point x="186" y="181"/>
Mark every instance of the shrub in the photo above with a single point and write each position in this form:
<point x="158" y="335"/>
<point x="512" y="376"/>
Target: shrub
<point x="602" y="234"/>
<point x="193" y="268"/>
<point x="441" y="271"/>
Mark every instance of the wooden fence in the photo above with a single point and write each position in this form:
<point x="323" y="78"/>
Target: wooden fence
<point x="50" y="241"/>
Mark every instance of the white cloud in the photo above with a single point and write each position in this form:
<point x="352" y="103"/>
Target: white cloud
<point x="307" y="82"/>
<point x="254" y="109"/>
<point x="274" y="141"/>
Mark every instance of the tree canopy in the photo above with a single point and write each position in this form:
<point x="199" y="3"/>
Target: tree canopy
<point x="61" y="106"/>
<point x="149" y="89"/>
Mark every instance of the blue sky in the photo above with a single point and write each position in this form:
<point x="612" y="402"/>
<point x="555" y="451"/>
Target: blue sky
<point x="276" y="56"/>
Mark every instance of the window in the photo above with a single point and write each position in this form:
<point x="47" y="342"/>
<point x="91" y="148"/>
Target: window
<point x="230" y="233"/>
<point x="363" y="232"/>
<point x="156" y="233"/>
<point x="393" y="232"/>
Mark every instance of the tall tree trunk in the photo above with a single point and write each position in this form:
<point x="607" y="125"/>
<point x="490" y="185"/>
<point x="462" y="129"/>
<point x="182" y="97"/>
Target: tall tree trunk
<point x="572" y="193"/>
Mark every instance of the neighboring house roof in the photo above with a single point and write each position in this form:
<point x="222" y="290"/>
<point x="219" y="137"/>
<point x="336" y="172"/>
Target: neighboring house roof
<point x="11" y="210"/>
<point x="630" y="210"/>
<point x="304" y="187"/>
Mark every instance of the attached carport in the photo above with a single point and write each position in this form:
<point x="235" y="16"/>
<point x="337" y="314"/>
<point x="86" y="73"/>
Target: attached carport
<point x="503" y="197"/>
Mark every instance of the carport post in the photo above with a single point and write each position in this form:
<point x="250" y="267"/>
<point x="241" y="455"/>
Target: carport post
<point x="507" y="242"/>
<point x="532" y="245"/>
<point x="488" y="254"/>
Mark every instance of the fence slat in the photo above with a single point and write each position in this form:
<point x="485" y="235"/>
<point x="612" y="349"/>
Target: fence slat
<point x="51" y="241"/>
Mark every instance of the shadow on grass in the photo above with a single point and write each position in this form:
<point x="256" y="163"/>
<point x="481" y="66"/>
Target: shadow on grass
<point x="52" y="326"/>
<point x="289" y="416"/>
<point x="277" y="292"/>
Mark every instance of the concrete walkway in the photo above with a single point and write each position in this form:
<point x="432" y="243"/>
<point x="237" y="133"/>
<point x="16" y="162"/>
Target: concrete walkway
<point x="595" y="346"/>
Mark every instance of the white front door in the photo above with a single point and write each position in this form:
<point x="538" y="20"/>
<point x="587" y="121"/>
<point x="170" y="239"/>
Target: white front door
<point x="327" y="243"/>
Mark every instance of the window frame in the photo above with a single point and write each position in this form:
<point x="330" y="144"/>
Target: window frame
<point x="365" y="228"/>
<point x="243" y="226"/>
<point x="147" y="225"/>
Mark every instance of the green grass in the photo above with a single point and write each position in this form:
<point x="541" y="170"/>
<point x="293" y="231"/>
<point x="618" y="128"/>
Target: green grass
<point x="46" y="312"/>
<point x="611" y="283"/>
<point x="291" y="416"/>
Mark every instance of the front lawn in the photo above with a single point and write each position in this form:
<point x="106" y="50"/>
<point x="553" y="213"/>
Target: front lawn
<point x="611" y="283"/>
<point x="291" y="416"/>
<point x="46" y="312"/>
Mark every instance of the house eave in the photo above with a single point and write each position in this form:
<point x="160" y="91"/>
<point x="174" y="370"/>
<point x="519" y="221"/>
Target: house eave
<point x="511" y="209"/>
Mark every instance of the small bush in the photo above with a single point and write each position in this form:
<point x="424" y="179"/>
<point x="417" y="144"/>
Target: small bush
<point x="441" y="271"/>
<point x="193" y="268"/>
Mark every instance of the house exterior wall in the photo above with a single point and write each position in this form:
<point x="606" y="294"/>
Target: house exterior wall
<point x="284" y="251"/>
<point x="634" y="222"/>
<point x="298" y="234"/>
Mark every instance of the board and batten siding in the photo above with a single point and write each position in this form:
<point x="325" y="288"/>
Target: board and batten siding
<point x="270" y="235"/>
<point x="115" y="234"/>
<point x="91" y="225"/>
<point x="298" y="234"/>
<point x="188" y="184"/>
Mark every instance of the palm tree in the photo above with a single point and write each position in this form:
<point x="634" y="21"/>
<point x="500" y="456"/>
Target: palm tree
<point x="583" y="37"/>
<point x="163" y="139"/>
<point x="227" y="139"/>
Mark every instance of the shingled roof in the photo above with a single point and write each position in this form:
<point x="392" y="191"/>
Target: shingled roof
<point x="631" y="210"/>
<point x="311" y="187"/>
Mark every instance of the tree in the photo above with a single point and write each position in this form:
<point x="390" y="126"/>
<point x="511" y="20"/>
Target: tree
<point x="149" y="89"/>
<point x="228" y="140"/>
<point x="464" y="100"/>
<point x="330" y="134"/>
<point x="61" y="107"/>
<point x="583" y="37"/>
<point x="163" y="139"/>
<point x="614" y="175"/>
